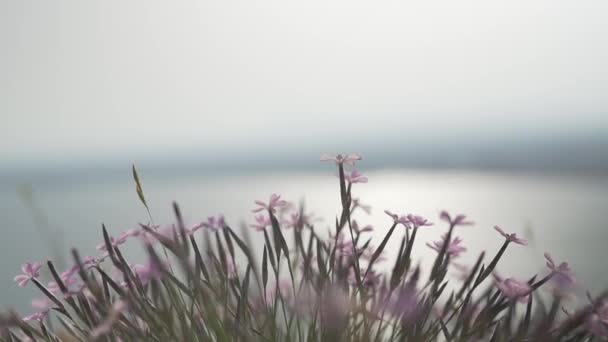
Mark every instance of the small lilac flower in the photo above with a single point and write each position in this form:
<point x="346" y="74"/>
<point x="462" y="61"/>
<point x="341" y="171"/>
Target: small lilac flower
<point x="113" y="242"/>
<point x="597" y="320"/>
<point x="41" y="303"/>
<point x="355" y="177"/>
<point x="459" y="220"/>
<point x="122" y="238"/>
<point x="418" y="221"/>
<point x="261" y="222"/>
<point x="70" y="283"/>
<point x="405" y="302"/>
<point x="348" y="159"/>
<point x="214" y="223"/>
<point x="563" y="270"/>
<point x="399" y="219"/>
<point x="37" y="316"/>
<point x="513" y="289"/>
<point x="274" y="202"/>
<point x="453" y="248"/>
<point x="146" y="272"/>
<point x="299" y="221"/>
<point x="511" y="237"/>
<point x="70" y="271"/>
<point x="357" y="204"/>
<point x="30" y="270"/>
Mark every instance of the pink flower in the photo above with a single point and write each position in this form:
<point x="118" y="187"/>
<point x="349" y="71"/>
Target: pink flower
<point x="261" y="222"/>
<point x="213" y="223"/>
<point x="347" y="248"/>
<point x="147" y="272"/>
<point x="459" y="220"/>
<point x="41" y="303"/>
<point x="30" y="270"/>
<point x="563" y="270"/>
<point x="418" y="221"/>
<point x="37" y="316"/>
<point x="597" y="321"/>
<point x="348" y="159"/>
<point x="399" y="219"/>
<point x="357" y="204"/>
<point x="513" y="289"/>
<point x="453" y="248"/>
<point x="355" y="177"/>
<point x="274" y="202"/>
<point x="511" y="237"/>
<point x="70" y="283"/>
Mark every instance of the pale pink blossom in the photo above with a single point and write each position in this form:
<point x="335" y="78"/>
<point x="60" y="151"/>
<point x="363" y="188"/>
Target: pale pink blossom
<point x="453" y="248"/>
<point x="70" y="282"/>
<point x="261" y="222"/>
<point x="274" y="202"/>
<point x="513" y="289"/>
<point x="30" y="270"/>
<point x="597" y="320"/>
<point x="146" y="272"/>
<point x="399" y="219"/>
<point x="562" y="270"/>
<point x="37" y="316"/>
<point x="214" y="223"/>
<point x="511" y="237"/>
<point x="348" y="159"/>
<point x="418" y="221"/>
<point x="41" y="303"/>
<point x="355" y="177"/>
<point x="459" y="220"/>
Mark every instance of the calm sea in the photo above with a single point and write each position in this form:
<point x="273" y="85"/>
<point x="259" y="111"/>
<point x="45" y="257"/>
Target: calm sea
<point x="563" y="214"/>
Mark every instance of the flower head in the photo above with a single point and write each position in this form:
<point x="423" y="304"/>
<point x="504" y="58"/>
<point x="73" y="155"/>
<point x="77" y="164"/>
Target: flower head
<point x="561" y="271"/>
<point x="213" y="223"/>
<point x="597" y="320"/>
<point x="37" y="316"/>
<point x="261" y="222"/>
<point x="459" y="220"/>
<point x="30" y="270"/>
<point x="355" y="177"/>
<point x="147" y="272"/>
<point x="274" y="202"/>
<point x="453" y="248"/>
<point x="348" y="159"/>
<point x="513" y="289"/>
<point x="418" y="221"/>
<point x="399" y="219"/>
<point x="511" y="237"/>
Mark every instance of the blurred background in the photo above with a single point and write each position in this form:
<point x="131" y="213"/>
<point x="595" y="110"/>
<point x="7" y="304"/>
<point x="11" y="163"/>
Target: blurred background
<point x="495" y="110"/>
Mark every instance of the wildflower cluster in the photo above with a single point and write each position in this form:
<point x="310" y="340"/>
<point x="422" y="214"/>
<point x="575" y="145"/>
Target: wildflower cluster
<point x="208" y="283"/>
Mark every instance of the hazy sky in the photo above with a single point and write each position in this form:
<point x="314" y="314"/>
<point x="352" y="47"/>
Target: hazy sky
<point x="87" y="78"/>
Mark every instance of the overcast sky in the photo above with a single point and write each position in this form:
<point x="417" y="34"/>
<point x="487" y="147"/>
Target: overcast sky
<point x="113" y="78"/>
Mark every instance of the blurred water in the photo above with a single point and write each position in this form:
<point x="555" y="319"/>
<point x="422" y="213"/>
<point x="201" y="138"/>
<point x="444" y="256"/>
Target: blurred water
<point x="563" y="214"/>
